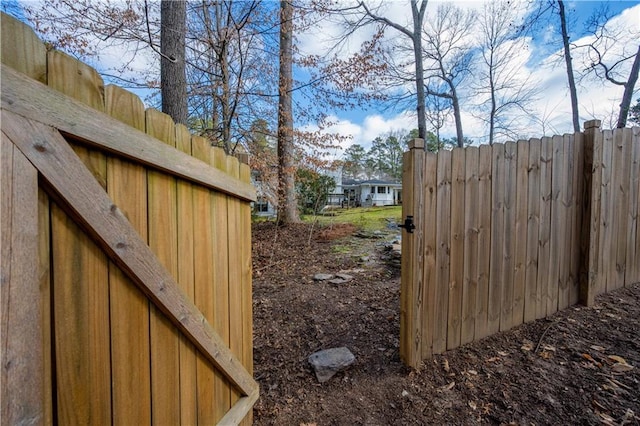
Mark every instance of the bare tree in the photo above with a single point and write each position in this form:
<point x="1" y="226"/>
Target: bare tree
<point x="173" y="80"/>
<point x="447" y="48"/>
<point x="500" y="84"/>
<point x="287" y="201"/>
<point x="609" y="56"/>
<point x="569" y="65"/>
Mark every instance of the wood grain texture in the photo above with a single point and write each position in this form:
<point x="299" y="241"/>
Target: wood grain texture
<point x="78" y="80"/>
<point x="443" y="236"/>
<point x="509" y="235"/>
<point x="220" y="261"/>
<point x="186" y="281"/>
<point x="496" y="273"/>
<point x="23" y="368"/>
<point x="532" y="291"/>
<point x="544" y="229"/>
<point x="622" y="187"/>
<point x="456" y="274"/>
<point x="632" y="273"/>
<point x="556" y="229"/>
<point x="67" y="176"/>
<point x="605" y="271"/>
<point x="520" y="235"/>
<point x="37" y="102"/>
<point x="471" y="229"/>
<point x="21" y="49"/>
<point x="124" y="106"/>
<point x="163" y="238"/>
<point x="430" y="248"/>
<point x="484" y="239"/>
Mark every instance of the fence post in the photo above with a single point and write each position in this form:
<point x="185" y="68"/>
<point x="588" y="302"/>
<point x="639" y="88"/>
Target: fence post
<point x="591" y="193"/>
<point x="411" y="291"/>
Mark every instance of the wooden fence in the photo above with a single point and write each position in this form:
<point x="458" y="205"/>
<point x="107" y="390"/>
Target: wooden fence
<point x="126" y="256"/>
<point x="513" y="232"/>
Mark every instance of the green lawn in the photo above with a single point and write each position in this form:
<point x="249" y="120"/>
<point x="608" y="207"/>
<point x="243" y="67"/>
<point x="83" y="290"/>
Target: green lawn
<point x="365" y="218"/>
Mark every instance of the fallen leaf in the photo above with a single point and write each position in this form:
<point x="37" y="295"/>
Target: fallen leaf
<point x="446" y="387"/>
<point x="473" y="372"/>
<point x="473" y="405"/>
<point x="527" y="346"/>
<point x="445" y="365"/>
<point x="617" y="359"/>
<point x="503" y="353"/>
<point x="549" y="348"/>
<point x="546" y="354"/>
<point x="621" y="368"/>
<point x="597" y="348"/>
<point x="405" y="393"/>
<point x="494" y="359"/>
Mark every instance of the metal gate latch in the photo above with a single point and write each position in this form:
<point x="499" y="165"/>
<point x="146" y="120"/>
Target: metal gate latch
<point x="408" y="225"/>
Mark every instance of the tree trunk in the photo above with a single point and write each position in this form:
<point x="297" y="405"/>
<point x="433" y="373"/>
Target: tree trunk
<point x="628" y="91"/>
<point x="287" y="202"/>
<point x="173" y="79"/>
<point x="418" y="16"/>
<point x="567" y="59"/>
<point x="457" y="116"/>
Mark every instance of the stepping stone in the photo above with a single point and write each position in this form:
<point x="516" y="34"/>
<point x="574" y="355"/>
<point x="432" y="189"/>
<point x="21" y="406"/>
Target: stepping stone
<point x="328" y="362"/>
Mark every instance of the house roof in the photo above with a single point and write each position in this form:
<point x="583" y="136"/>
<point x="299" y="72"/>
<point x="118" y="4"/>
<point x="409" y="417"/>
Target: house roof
<point x="353" y="182"/>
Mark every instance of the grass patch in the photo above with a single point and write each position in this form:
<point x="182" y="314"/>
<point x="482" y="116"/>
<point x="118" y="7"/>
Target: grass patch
<point x="364" y="218"/>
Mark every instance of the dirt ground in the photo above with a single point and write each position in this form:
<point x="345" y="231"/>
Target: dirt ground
<point x="580" y="366"/>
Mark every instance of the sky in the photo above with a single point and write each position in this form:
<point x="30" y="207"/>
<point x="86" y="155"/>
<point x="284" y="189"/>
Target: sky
<point x="541" y="61"/>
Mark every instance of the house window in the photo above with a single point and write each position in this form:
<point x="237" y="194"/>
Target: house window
<point x="373" y="189"/>
<point x="382" y="190"/>
<point x="261" y="206"/>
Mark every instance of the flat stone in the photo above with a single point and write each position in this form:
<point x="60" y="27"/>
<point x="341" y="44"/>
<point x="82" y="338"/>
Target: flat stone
<point x="328" y="362"/>
<point x="323" y="277"/>
<point x="344" y="277"/>
<point x="337" y="281"/>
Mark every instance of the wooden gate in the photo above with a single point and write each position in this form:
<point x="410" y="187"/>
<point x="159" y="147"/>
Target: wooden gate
<point x="513" y="232"/>
<point x="126" y="257"/>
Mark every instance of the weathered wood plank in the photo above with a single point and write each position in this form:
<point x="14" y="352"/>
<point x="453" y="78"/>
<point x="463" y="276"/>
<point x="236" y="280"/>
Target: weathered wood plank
<point x="576" y="214"/>
<point x="204" y="275"/>
<point x="556" y="226"/>
<point x="186" y="281"/>
<point x="429" y="190"/>
<point x="532" y="299"/>
<point x="65" y="174"/>
<point x="632" y="274"/>
<point x="443" y="235"/>
<point x="508" y="248"/>
<point x="411" y="270"/>
<point x="163" y="241"/>
<point x="520" y="236"/>
<point x="37" y="102"/>
<point x="496" y="273"/>
<point x="484" y="240"/>
<point x="220" y="261"/>
<point x="124" y="106"/>
<point x="622" y="187"/>
<point x="456" y="272"/>
<point x="607" y="211"/>
<point x="129" y="307"/>
<point x="22" y="382"/>
<point x="544" y="234"/>
<point x="76" y="79"/>
<point x="566" y="222"/>
<point x="471" y="225"/>
<point x="234" y="284"/>
<point x="44" y="275"/>
<point x="21" y="48"/>
<point x="81" y="312"/>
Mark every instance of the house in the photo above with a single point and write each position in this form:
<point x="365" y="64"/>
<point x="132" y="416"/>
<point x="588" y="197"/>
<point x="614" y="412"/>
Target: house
<point x="263" y="206"/>
<point x="374" y="192"/>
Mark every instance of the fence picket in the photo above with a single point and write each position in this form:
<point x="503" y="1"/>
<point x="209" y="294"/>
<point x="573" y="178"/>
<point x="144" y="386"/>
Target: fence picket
<point x="606" y="214"/>
<point x="484" y="240"/>
<point x="633" y="239"/>
<point x="622" y="187"/>
<point x="520" y="236"/>
<point x="509" y="235"/>
<point x="471" y="228"/>
<point x="457" y="239"/>
<point x="496" y="272"/>
<point x="443" y="234"/>
<point x="429" y="221"/>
